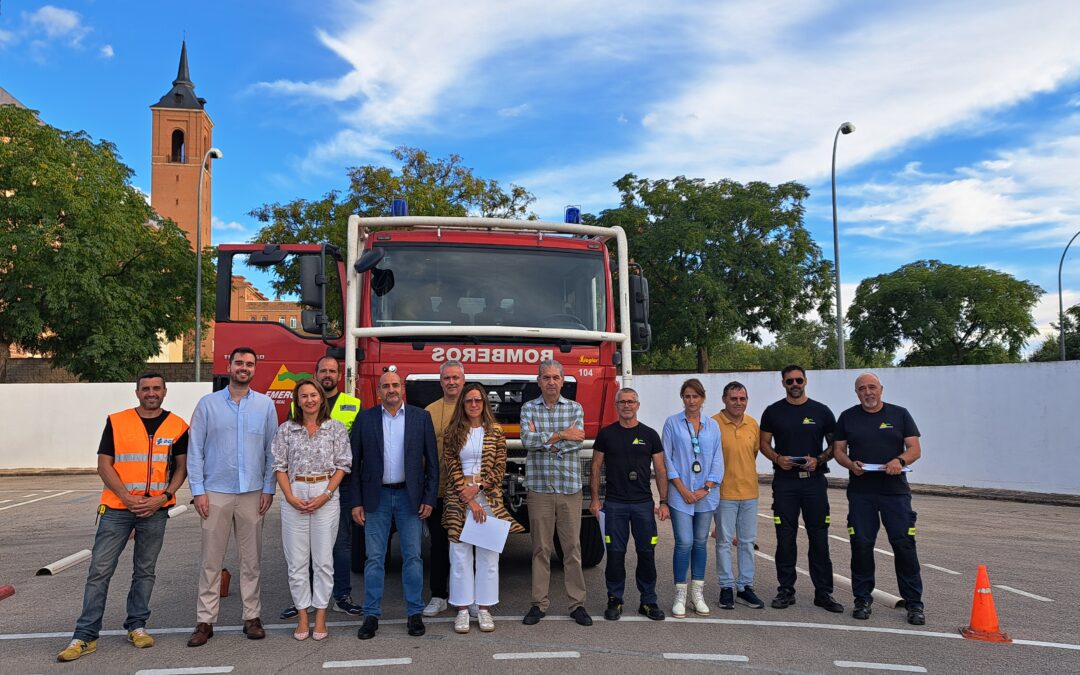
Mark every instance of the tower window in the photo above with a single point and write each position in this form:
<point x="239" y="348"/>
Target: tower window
<point x="178" y="150"/>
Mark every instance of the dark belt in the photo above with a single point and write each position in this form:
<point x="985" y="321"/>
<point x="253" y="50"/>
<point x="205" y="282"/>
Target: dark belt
<point x="394" y="486"/>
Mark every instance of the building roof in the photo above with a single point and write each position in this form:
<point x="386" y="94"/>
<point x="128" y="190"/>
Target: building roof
<point x="8" y="99"/>
<point x="182" y="95"/>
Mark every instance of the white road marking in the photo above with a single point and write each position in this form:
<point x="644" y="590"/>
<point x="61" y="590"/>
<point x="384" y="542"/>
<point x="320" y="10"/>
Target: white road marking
<point x="55" y="494"/>
<point x="186" y="671"/>
<point x="515" y="656"/>
<point x="833" y="536"/>
<point x="367" y="663"/>
<point x="1023" y="593"/>
<point x="879" y="666"/>
<point x="706" y="657"/>
<point x="32" y="494"/>
<point x="946" y="570"/>
<point x="4" y="501"/>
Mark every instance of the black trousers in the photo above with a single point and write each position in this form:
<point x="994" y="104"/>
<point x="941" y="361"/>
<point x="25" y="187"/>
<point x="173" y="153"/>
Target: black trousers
<point x="619" y="520"/>
<point x="439" y="564"/>
<point x="866" y="513"/>
<point x="810" y="497"/>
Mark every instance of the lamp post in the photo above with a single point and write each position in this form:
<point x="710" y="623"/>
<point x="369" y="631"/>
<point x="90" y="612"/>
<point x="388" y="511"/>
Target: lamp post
<point x="845" y="128"/>
<point x="212" y="153"/>
<point x="1061" y="301"/>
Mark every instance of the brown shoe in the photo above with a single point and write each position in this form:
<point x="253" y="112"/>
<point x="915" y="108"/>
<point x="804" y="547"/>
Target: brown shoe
<point x="203" y="632"/>
<point x="253" y="628"/>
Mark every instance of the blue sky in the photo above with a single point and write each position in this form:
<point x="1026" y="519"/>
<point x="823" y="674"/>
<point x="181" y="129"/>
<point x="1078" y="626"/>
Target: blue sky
<point x="967" y="146"/>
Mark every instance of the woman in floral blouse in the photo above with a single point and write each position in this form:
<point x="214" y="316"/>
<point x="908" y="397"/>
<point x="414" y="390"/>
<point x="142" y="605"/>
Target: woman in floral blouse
<point x="311" y="456"/>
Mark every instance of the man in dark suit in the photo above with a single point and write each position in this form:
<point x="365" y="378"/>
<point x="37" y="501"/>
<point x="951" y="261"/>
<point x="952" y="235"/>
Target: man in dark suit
<point x="395" y="480"/>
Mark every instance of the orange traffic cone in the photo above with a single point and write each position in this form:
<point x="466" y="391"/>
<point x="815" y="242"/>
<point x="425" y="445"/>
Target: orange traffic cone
<point x="984" y="621"/>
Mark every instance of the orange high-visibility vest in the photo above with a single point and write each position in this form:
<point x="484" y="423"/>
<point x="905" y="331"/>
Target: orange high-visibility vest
<point x="142" y="461"/>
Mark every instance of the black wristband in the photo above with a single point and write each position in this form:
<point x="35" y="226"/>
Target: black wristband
<point x="663" y="502"/>
<point x="902" y="462"/>
<point x="168" y="496"/>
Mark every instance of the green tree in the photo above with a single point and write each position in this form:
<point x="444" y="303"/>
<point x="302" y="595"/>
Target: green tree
<point x="88" y="275"/>
<point x="723" y="259"/>
<point x="1050" y="349"/>
<point x="950" y="314"/>
<point x="433" y="187"/>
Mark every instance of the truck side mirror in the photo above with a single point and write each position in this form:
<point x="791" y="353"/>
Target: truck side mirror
<point x="369" y="260"/>
<point x="312" y="320"/>
<point x="312" y="279"/>
<point x="640" y="330"/>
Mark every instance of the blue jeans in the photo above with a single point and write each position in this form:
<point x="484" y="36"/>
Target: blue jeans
<point x="394" y="507"/>
<point x="343" y="555"/>
<point x="619" y="519"/>
<point x="113" y="530"/>
<point x="691" y="544"/>
<point x="736" y="519"/>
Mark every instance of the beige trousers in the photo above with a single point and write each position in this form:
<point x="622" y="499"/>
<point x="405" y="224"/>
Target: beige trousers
<point x="548" y="514"/>
<point x="229" y="512"/>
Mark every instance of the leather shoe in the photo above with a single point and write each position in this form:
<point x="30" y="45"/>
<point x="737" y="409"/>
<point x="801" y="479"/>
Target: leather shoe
<point x="862" y="611"/>
<point x="652" y="612"/>
<point x="253" y="629"/>
<point x="915" y="616"/>
<point x="367" y="630"/>
<point x="827" y="602"/>
<point x="203" y="632"/>
<point x="783" y="600"/>
<point x="581" y="616"/>
<point x="416" y="625"/>
<point x="533" y="616"/>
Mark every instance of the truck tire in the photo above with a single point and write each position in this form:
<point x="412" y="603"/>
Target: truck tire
<point x="592" y="544"/>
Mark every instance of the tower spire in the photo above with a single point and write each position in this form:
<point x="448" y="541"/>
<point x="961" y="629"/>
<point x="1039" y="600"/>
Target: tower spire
<point x="182" y="95"/>
<point x="182" y="75"/>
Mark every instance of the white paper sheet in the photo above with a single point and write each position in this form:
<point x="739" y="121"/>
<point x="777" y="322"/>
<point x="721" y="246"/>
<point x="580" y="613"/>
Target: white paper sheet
<point x="490" y="534"/>
<point x="603" y="525"/>
<point x="881" y="467"/>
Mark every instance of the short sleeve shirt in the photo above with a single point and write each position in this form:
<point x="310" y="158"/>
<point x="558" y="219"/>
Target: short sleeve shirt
<point x="876" y="438"/>
<point x="628" y="457"/>
<point x="799" y="431"/>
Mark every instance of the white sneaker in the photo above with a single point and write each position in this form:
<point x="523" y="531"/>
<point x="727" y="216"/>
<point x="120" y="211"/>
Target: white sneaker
<point x="474" y="611"/>
<point x="487" y="624"/>
<point x="697" y="597"/>
<point x="678" y="608"/>
<point x="461" y="623"/>
<point x="435" y="607"/>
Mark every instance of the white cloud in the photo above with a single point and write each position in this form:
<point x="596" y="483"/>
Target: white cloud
<point x="515" y="111"/>
<point x="230" y="227"/>
<point x="107" y="52"/>
<point x="6" y="38"/>
<point x="57" y="23"/>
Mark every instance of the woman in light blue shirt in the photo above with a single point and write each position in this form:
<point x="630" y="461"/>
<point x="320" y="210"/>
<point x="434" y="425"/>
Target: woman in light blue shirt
<point x="695" y="468"/>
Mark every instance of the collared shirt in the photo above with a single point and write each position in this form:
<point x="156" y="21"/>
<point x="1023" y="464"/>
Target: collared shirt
<point x="393" y="431"/>
<point x="230" y="446"/>
<point x="679" y="457"/>
<point x="324" y="452"/>
<point x="740" y="445"/>
<point x="554" y="469"/>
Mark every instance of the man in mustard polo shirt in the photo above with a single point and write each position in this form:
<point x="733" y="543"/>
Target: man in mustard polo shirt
<point x="736" y="517"/>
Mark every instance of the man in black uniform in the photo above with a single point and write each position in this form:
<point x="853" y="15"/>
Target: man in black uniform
<point x="800" y="425"/>
<point x="876" y="441"/>
<point x="631" y="451"/>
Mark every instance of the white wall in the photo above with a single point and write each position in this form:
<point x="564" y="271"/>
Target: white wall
<point x="54" y="426"/>
<point x="1012" y="427"/>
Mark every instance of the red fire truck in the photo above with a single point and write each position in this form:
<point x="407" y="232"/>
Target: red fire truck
<point x="412" y="292"/>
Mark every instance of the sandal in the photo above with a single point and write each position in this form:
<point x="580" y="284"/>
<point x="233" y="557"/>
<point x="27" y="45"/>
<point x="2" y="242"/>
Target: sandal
<point x="303" y="635"/>
<point x="319" y="636"/>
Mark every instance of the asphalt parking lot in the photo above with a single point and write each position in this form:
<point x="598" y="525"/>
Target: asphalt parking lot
<point x="1029" y="549"/>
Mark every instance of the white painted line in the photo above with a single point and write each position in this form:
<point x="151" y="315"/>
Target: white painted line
<point x="367" y="663"/>
<point x="32" y="494"/>
<point x="513" y="656"/>
<point x="879" y="666"/>
<point x="706" y="657"/>
<point x="186" y="671"/>
<point x="1036" y="643"/>
<point x="1023" y="593"/>
<point x="4" y="501"/>
<point x="833" y="536"/>
<point x="946" y="570"/>
<point x="884" y="552"/>
<point x="55" y="494"/>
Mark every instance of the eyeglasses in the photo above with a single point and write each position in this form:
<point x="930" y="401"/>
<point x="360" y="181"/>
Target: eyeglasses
<point x="626" y="402"/>
<point x="473" y="401"/>
<point x="794" y="380"/>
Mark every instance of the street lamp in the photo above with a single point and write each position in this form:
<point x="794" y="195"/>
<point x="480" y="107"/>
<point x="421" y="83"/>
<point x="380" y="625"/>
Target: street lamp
<point x="212" y="153"/>
<point x="1061" y="301"/>
<point x="845" y="128"/>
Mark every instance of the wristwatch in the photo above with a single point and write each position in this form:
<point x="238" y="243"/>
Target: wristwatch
<point x="330" y="494"/>
<point x="168" y="496"/>
<point x="902" y="462"/>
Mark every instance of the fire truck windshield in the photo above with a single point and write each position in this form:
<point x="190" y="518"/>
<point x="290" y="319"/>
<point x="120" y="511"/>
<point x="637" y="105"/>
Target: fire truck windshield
<point x="491" y="286"/>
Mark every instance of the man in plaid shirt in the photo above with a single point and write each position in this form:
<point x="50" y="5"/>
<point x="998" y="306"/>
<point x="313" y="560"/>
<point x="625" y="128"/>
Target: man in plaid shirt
<point x="552" y="430"/>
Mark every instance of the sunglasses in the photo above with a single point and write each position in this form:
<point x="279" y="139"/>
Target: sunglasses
<point x="473" y="401"/>
<point x="625" y="402"/>
<point x="794" y="380"/>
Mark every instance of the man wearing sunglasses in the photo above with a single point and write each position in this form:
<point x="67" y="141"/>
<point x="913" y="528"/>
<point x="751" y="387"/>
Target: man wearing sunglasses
<point x="793" y="432"/>
<point x="631" y="451"/>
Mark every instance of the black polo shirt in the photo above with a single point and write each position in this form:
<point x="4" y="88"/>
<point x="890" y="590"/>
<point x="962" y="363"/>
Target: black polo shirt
<point x="876" y="438"/>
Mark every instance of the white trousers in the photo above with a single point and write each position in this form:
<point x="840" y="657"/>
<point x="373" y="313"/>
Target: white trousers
<point x="469" y="585"/>
<point x="308" y="541"/>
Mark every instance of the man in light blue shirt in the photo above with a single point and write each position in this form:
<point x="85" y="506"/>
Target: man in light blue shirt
<point x="230" y="469"/>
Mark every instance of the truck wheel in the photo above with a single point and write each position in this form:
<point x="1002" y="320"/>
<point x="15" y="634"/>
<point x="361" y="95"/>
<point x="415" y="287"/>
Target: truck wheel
<point x="592" y="544"/>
